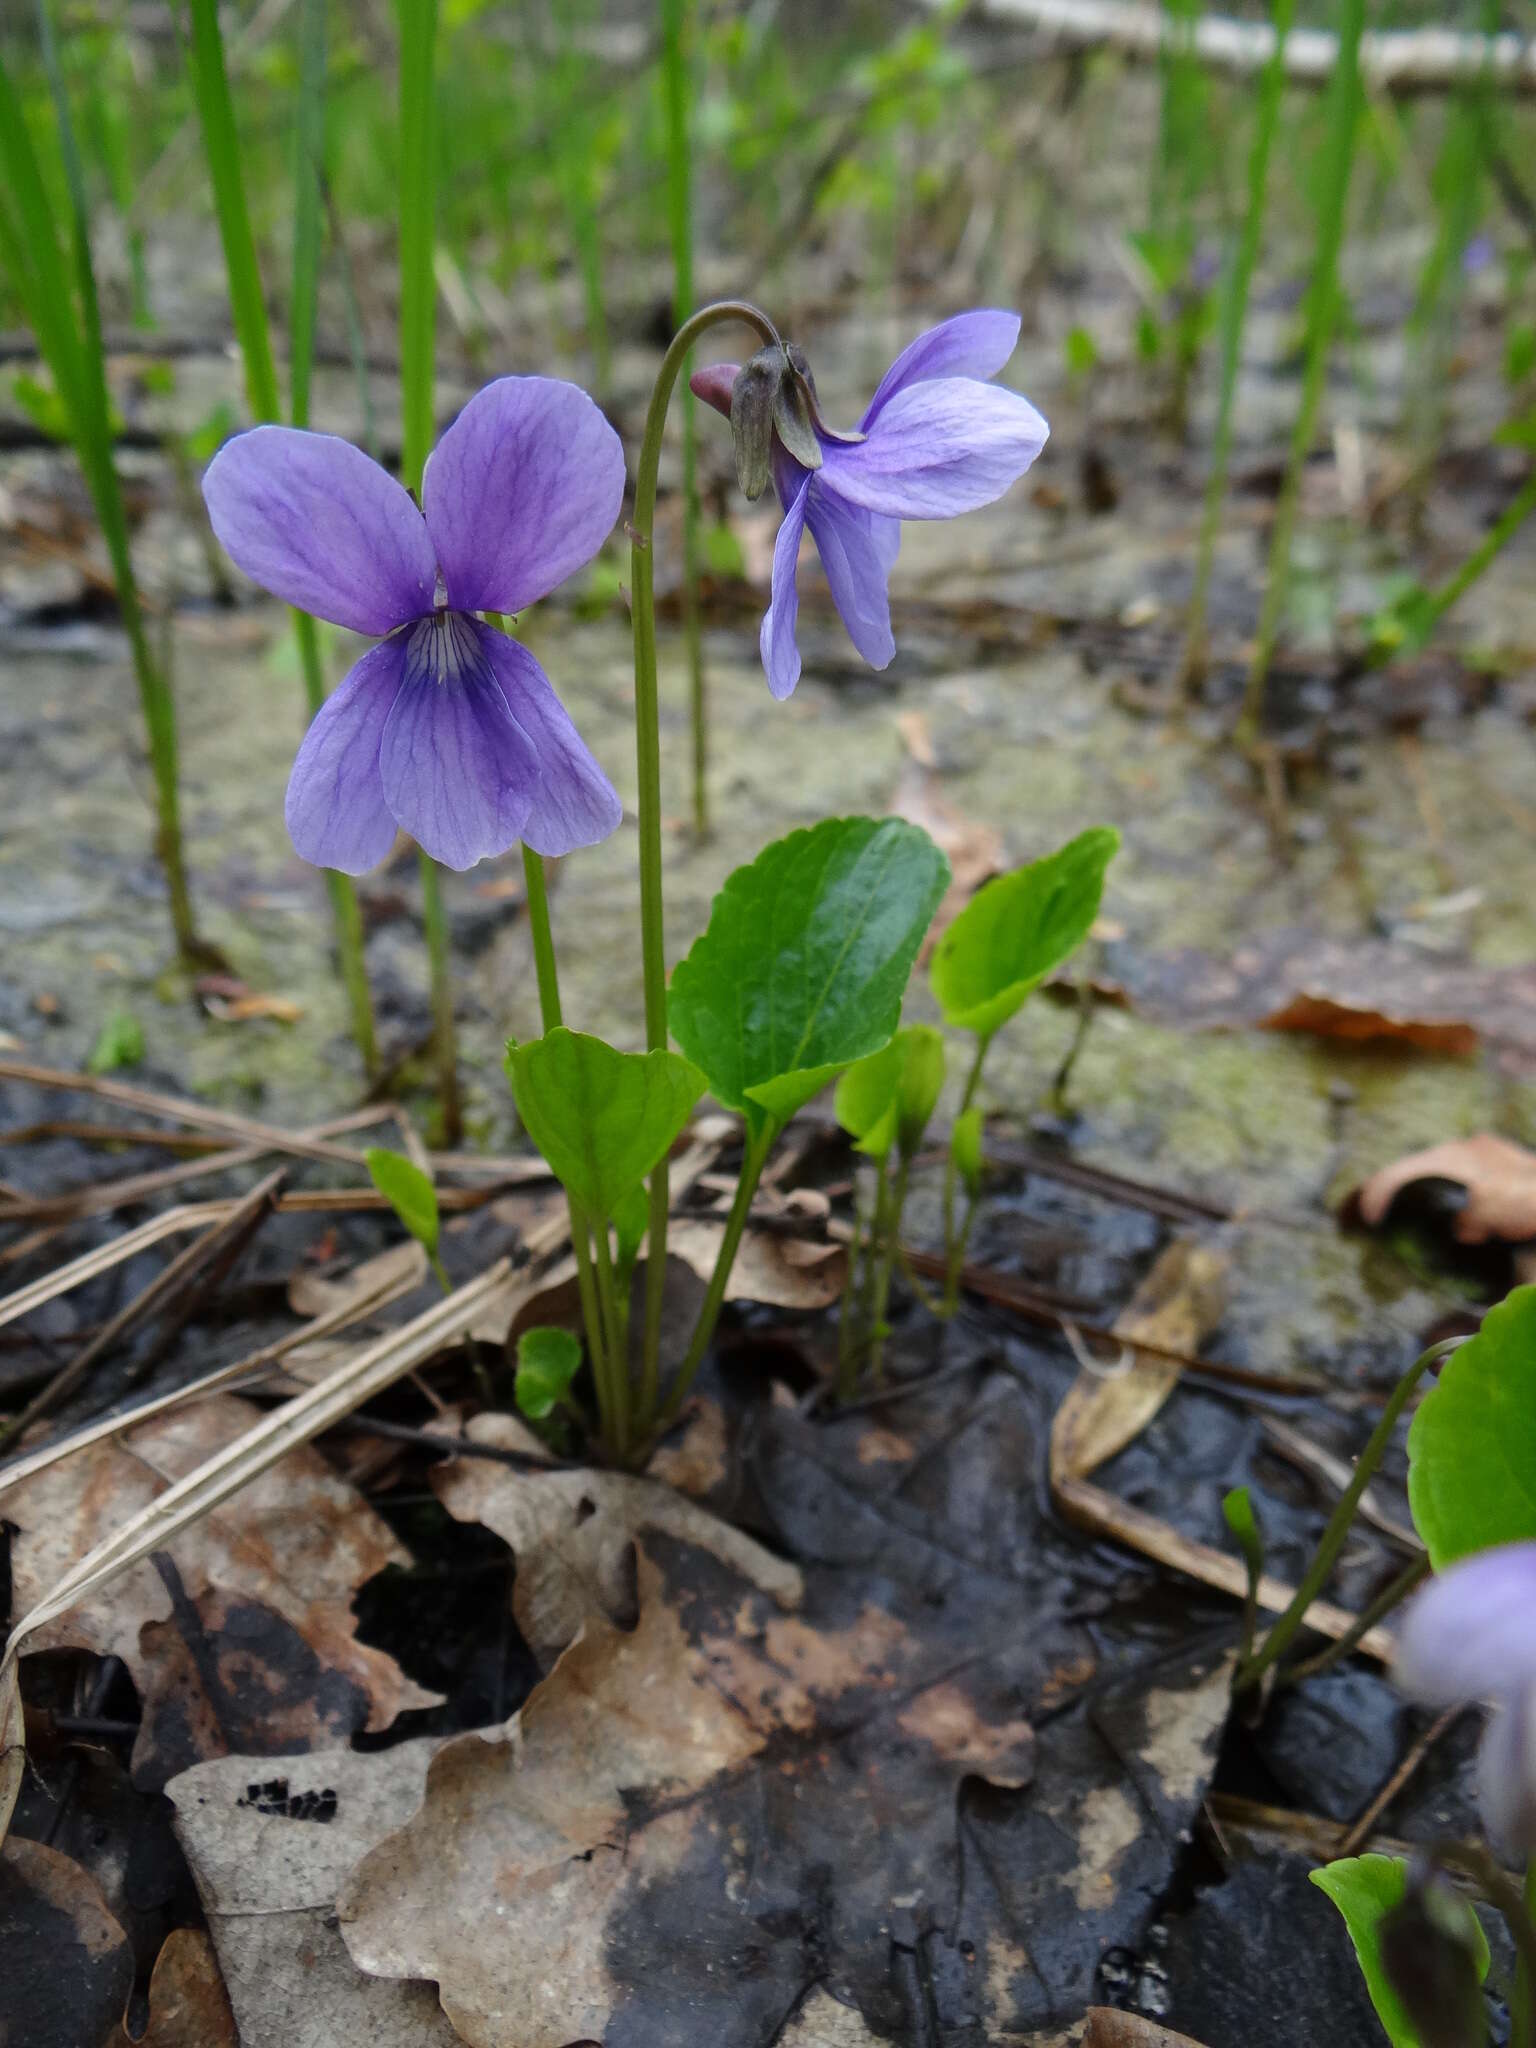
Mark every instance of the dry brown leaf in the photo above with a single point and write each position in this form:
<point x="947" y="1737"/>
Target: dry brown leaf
<point x="1176" y="1307"/>
<point x="249" y="1009"/>
<point x="188" y="2004"/>
<point x="572" y="1531"/>
<point x="1109" y="2028"/>
<point x="643" y="1753"/>
<point x="1357" y="989"/>
<point x="1498" y="1175"/>
<point x="68" y="1964"/>
<point x="781" y="1272"/>
<point x="699" y="1460"/>
<point x="975" y="850"/>
<point x="245" y="1637"/>
<point x="268" y="1880"/>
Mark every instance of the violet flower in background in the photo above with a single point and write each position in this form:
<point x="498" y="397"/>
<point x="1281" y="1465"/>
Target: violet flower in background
<point x="448" y="728"/>
<point x="936" y="440"/>
<point x="1470" y="1636"/>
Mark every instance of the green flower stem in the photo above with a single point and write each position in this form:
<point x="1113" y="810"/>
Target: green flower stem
<point x="648" y="757"/>
<point x="1234" y="312"/>
<point x="759" y="1145"/>
<point x="1323" y="302"/>
<point x="892" y="1198"/>
<point x="954" y="1247"/>
<point x="418" y="331"/>
<point x="676" y="38"/>
<point x="1493" y="544"/>
<point x="542" y="934"/>
<point x="1391" y="1596"/>
<point x="615" y="1318"/>
<point x="1279" y="1639"/>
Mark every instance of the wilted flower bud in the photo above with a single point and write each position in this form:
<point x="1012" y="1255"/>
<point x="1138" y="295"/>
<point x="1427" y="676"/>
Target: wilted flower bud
<point x="1430" y="1956"/>
<point x="773" y="394"/>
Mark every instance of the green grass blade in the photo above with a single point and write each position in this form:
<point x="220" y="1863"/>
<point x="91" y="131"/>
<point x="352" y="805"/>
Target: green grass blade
<point x="1345" y="104"/>
<point x="418" y="219"/>
<point x="308" y="219"/>
<point x="677" y="82"/>
<point x="1234" y="313"/>
<point x="221" y="146"/>
<point x="67" y="323"/>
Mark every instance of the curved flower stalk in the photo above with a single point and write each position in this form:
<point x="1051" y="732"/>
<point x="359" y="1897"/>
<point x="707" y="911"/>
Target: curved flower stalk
<point x="936" y="440"/>
<point x="1470" y="1636"/>
<point x="447" y="728"/>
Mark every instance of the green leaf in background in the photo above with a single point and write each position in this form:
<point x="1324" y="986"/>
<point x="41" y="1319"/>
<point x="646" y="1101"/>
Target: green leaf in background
<point x="601" y="1118"/>
<point x="547" y="1361"/>
<point x="805" y="961"/>
<point x="1367" y="1890"/>
<point x="408" y="1192"/>
<point x="119" y="1043"/>
<point x="887" y="1099"/>
<point x="1472" y="1447"/>
<point x="1017" y="930"/>
<point x="965" y="1148"/>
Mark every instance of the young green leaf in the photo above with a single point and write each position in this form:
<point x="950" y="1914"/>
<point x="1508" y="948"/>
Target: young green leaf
<point x="1472" y="1447"/>
<point x="547" y="1361"/>
<point x="119" y="1043"/>
<point x="1016" y="930"/>
<point x="803" y="966"/>
<point x="965" y="1149"/>
<point x="630" y="1219"/>
<point x="1368" y="1890"/>
<point x="408" y="1192"/>
<point x="1237" y="1512"/>
<point x="601" y="1118"/>
<point x="887" y="1099"/>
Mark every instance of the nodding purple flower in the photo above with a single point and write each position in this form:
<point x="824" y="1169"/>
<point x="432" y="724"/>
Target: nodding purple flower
<point x="937" y="440"/>
<point x="447" y="728"/>
<point x="1471" y="1635"/>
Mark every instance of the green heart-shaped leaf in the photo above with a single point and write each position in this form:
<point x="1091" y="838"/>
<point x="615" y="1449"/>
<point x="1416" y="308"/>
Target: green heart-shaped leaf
<point x="1017" y="930"/>
<point x="1368" y="1890"/>
<point x="408" y="1192"/>
<point x="887" y="1099"/>
<point x="805" y="961"/>
<point x="1472" y="1447"/>
<point x="547" y="1361"/>
<point x="601" y="1118"/>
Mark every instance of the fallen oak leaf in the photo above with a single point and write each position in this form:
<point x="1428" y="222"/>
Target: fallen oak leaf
<point x="572" y="1532"/>
<point x="1499" y="1177"/>
<point x="642" y="1761"/>
<point x="245" y="1631"/>
<point x="268" y="1877"/>
<point x="777" y="1271"/>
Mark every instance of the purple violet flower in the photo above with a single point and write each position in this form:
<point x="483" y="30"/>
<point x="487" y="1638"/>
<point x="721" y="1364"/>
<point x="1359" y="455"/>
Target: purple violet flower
<point x="1471" y="1635"/>
<point x="448" y="728"/>
<point x="936" y="440"/>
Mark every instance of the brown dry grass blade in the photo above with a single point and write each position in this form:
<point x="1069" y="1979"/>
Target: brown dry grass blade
<point x="1103" y="1514"/>
<point x="296" y="1422"/>
<point x="188" y="1216"/>
<point x="255" y="1365"/>
<point x="101" y="1197"/>
<point x="198" y="1116"/>
<point x="171" y="1295"/>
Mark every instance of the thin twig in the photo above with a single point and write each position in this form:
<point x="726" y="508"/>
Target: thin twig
<point x="1361" y="1830"/>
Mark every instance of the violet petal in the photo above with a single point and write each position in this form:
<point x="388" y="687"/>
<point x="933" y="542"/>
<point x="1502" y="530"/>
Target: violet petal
<point x="574" y="803"/>
<point x="1471" y="1633"/>
<point x="781" y="656"/>
<point x="317" y="522"/>
<point x="974" y="344"/>
<point x="1506" y="1774"/>
<point x="939" y="448"/>
<point x="459" y="771"/>
<point x="522" y="490"/>
<point x="335" y="808"/>
<point x="857" y="549"/>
